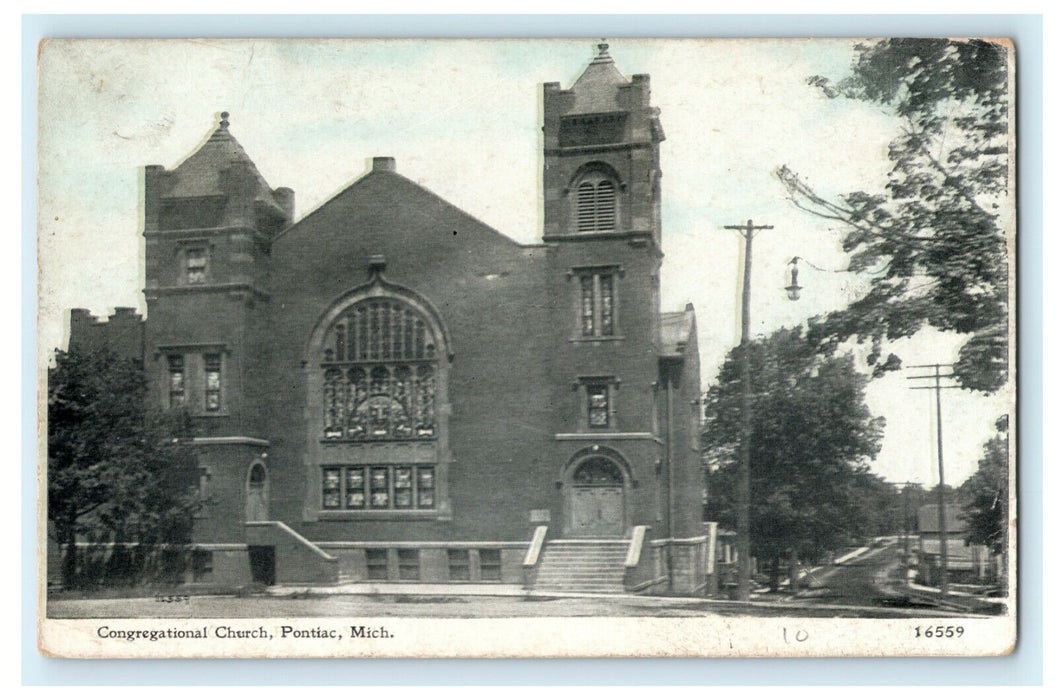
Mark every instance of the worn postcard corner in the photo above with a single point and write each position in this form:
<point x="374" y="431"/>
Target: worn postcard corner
<point x="379" y="348"/>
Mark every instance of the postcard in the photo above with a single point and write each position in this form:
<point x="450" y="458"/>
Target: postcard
<point x="379" y="348"/>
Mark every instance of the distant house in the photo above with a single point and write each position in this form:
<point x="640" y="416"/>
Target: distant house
<point x="965" y="562"/>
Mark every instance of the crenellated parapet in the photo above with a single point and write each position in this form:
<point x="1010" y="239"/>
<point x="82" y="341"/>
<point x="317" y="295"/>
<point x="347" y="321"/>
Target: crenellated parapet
<point x="121" y="333"/>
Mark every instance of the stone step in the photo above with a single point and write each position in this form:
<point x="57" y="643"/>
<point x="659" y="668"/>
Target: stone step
<point x="582" y="569"/>
<point x="583" y="566"/>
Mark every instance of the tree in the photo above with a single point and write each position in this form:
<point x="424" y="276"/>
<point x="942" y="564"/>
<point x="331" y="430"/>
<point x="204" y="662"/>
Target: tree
<point x="986" y="492"/>
<point x="116" y="473"/>
<point x="812" y="436"/>
<point x="934" y="243"/>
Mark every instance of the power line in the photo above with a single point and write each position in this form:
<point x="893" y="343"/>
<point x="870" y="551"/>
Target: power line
<point x="936" y="377"/>
<point x="743" y="519"/>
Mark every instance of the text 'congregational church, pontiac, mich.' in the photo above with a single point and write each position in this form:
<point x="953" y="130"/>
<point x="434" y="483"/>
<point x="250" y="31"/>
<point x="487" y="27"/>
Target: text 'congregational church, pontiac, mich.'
<point x="388" y="389"/>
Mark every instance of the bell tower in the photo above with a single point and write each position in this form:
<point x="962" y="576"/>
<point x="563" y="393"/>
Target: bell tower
<point x="209" y="224"/>
<point x="601" y="157"/>
<point x="602" y="234"/>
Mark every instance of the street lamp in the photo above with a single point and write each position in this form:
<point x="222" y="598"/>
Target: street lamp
<point x="743" y="489"/>
<point x="793" y="290"/>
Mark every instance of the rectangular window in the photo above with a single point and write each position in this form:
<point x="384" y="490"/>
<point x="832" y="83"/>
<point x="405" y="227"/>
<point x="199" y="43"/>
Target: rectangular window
<point x="202" y="566"/>
<point x="378" y="487"/>
<point x="597" y="303"/>
<point x="587" y="305"/>
<point x="332" y="489"/>
<point x="407" y="561"/>
<point x="491" y="569"/>
<point x="377" y="564"/>
<point x="177" y="389"/>
<point x="196" y="265"/>
<point x="458" y="565"/>
<point x="425" y="487"/>
<point x="598" y="405"/>
<point x="402" y="487"/>
<point x="597" y="402"/>
<point x="355" y="489"/>
<point x="605" y="304"/>
<point x="212" y="377"/>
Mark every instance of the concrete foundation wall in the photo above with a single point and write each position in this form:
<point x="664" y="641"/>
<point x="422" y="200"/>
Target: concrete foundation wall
<point x="433" y="562"/>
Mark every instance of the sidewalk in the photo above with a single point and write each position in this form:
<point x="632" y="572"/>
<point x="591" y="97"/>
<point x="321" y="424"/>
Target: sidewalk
<point x="493" y="590"/>
<point x="396" y="588"/>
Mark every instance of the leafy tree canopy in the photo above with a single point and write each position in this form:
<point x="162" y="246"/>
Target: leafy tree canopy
<point x="934" y="243"/>
<point x="812" y="438"/>
<point x="987" y="492"/>
<point x="116" y="473"/>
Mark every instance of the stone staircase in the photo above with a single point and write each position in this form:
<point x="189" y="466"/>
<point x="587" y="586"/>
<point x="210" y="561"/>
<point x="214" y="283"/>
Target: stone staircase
<point x="589" y="566"/>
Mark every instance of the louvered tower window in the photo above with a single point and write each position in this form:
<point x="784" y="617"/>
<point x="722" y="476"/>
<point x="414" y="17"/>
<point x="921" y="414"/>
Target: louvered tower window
<point x="596" y="205"/>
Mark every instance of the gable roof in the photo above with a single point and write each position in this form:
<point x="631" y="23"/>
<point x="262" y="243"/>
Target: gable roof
<point x="383" y="176"/>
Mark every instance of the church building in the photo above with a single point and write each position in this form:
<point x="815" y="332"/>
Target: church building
<point x="388" y="389"/>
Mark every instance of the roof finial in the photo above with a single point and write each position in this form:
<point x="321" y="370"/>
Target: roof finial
<point x="224" y="120"/>
<point x="603" y="54"/>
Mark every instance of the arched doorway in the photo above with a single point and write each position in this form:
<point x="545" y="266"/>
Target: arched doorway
<point x="596" y="499"/>
<point x="257" y="493"/>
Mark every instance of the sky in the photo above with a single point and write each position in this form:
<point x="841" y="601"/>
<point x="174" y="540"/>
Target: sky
<point x="462" y="118"/>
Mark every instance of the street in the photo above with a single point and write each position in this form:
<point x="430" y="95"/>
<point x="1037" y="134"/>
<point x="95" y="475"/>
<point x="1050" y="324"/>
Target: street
<point x="455" y="606"/>
<point x="872" y="579"/>
<point x="857" y="588"/>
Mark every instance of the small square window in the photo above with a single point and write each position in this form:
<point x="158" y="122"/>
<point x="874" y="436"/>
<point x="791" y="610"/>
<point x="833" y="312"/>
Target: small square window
<point x="458" y="565"/>
<point x="377" y="564"/>
<point x="407" y="560"/>
<point x="491" y="568"/>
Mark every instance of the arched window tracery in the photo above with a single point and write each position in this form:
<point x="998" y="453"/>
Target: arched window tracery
<point x="597" y="471"/>
<point x="379" y="374"/>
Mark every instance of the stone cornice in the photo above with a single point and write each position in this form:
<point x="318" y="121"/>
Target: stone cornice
<point x="234" y="288"/>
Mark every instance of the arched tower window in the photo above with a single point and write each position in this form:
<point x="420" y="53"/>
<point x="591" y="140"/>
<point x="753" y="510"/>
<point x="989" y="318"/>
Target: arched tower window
<point x="596" y="203"/>
<point x="379" y="374"/>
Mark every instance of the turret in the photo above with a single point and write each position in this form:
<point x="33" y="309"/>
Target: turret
<point x="601" y="155"/>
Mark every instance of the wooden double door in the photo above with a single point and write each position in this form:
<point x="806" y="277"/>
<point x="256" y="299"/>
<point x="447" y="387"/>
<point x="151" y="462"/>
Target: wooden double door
<point x="596" y="500"/>
<point x="597" y="511"/>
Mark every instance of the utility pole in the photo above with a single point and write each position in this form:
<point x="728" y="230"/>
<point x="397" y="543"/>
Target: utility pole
<point x="745" y="467"/>
<point x="906" y="529"/>
<point x="944" y="588"/>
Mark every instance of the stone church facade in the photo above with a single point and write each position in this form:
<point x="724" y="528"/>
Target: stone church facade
<point x="390" y="390"/>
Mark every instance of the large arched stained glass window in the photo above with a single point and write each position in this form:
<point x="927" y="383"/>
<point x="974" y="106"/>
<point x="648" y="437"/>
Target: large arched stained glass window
<point x="379" y="374"/>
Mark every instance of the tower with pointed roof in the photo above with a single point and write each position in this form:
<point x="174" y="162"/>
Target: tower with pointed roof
<point x="208" y="227"/>
<point x="601" y="156"/>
